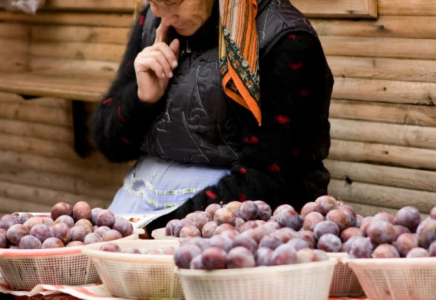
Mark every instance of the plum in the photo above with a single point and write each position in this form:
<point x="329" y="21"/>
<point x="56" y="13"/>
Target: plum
<point x="247" y="211"/>
<point x="417" y="253"/>
<point x="111" y="235"/>
<point x="84" y="223"/>
<point x="248" y="225"/>
<point x="209" y="229"/>
<point x="329" y="243"/>
<point x="366" y="222"/>
<point x="212" y="208"/>
<point x="32" y="222"/>
<point x="286" y="234"/>
<point x="48" y="221"/>
<point x="214" y="258"/>
<point x="426" y="233"/>
<point x="271" y="241"/>
<point x="361" y="248"/>
<point x="196" y="263"/>
<point x="41" y="232"/>
<point x="240" y="257"/>
<point x="245" y="241"/>
<point x="153" y="252"/>
<point x="75" y="244"/>
<point x="281" y="208"/>
<point x="105" y="218"/>
<point x="15" y="233"/>
<point x="408" y="217"/>
<point x="381" y="232"/>
<point x="218" y="241"/>
<point x="385" y="251"/>
<point x="431" y="249"/>
<point x="24" y="217"/>
<point x="346" y="246"/>
<point x="325" y="227"/>
<point x="289" y="218"/>
<point x="9" y="220"/>
<point x="324" y="204"/>
<point x="131" y="250"/>
<point x="66" y="220"/>
<point x="78" y="233"/>
<point x="197" y="241"/>
<point x="321" y="255"/>
<point x="350" y="211"/>
<point x="3" y="238"/>
<point x="61" y="209"/>
<point x="110" y="247"/>
<point x="173" y="228"/>
<point x="168" y="250"/>
<point x="30" y="242"/>
<point x="94" y="213"/>
<point x="340" y="217"/>
<point x="384" y="216"/>
<point x="199" y="219"/>
<point x="298" y="244"/>
<point x="311" y="220"/>
<point x="350" y="232"/>
<point x="189" y="231"/>
<point x="308" y="208"/>
<point x="264" y="257"/>
<point x="399" y="230"/>
<point x="52" y="242"/>
<point x="306" y="255"/>
<point x="264" y="210"/>
<point x="238" y="224"/>
<point x="92" y="238"/>
<point x="233" y="206"/>
<point x="406" y="242"/>
<point x="225" y="216"/>
<point x="433" y="213"/>
<point x="230" y="234"/>
<point x="359" y="220"/>
<point x="123" y="226"/>
<point x="102" y="230"/>
<point x="222" y="228"/>
<point x="284" y="255"/>
<point x="61" y="231"/>
<point x="307" y="236"/>
<point x="82" y="210"/>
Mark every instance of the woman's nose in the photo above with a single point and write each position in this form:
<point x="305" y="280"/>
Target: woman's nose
<point x="169" y="20"/>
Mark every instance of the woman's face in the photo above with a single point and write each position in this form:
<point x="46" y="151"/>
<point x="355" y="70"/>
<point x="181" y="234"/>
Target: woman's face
<point x="186" y="16"/>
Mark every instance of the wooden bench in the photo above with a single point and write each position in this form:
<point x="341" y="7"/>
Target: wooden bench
<point x="54" y="67"/>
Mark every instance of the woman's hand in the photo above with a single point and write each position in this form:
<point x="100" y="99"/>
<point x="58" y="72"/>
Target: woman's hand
<point x="154" y="66"/>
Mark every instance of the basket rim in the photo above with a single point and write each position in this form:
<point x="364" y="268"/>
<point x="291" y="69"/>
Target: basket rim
<point x="256" y="270"/>
<point x="32" y="253"/>
<point x="93" y="252"/>
<point x="160" y="232"/>
<point x="427" y="262"/>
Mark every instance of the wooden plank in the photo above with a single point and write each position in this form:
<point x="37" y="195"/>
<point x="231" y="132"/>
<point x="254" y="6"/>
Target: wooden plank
<point x="90" y="5"/>
<point x="382" y="175"/>
<point x="384" y="154"/>
<point x="414" y="27"/>
<point x="14" y="47"/>
<point x="407" y="8"/>
<point x="13" y="63"/>
<point x="63" y="67"/>
<point x="79" y="51"/>
<point x="43" y="101"/>
<point x="16" y="205"/>
<point x="374" y="132"/>
<point x="337" y="8"/>
<point x="372" y="210"/>
<point x="59" y="182"/>
<point x="71" y="18"/>
<point x="379" y="47"/>
<point x="45" y="196"/>
<point x="14" y="31"/>
<point x="98" y="35"/>
<point x="51" y="86"/>
<point x="382" y="112"/>
<point x="383" y="68"/>
<point x="423" y="93"/>
<point x="38" y="131"/>
<point x="111" y="174"/>
<point x="377" y="195"/>
<point x="45" y="115"/>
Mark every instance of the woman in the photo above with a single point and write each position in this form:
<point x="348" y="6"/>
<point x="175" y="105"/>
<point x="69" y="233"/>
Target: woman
<point x="219" y="101"/>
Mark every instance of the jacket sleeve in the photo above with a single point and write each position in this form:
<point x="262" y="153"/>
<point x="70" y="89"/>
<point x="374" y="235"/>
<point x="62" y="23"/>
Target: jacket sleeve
<point x="293" y="80"/>
<point x="121" y="119"/>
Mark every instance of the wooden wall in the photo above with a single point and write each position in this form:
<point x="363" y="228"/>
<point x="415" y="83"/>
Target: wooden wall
<point x="383" y="112"/>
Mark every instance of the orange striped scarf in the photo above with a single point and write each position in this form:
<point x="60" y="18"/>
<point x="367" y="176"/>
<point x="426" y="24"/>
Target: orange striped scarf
<point x="238" y="52"/>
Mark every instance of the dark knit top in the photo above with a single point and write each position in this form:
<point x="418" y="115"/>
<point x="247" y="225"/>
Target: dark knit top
<point x="280" y="162"/>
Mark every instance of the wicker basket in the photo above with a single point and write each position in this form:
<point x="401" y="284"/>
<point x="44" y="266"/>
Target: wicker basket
<point x="137" y="276"/>
<point x="159" y="234"/>
<point x="345" y="282"/>
<point x="310" y="281"/>
<point x="24" y="269"/>
<point x="396" y="278"/>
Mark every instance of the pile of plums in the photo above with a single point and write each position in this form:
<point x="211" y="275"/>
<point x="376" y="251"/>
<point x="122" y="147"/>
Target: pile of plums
<point x="68" y="226"/>
<point x="112" y="247"/>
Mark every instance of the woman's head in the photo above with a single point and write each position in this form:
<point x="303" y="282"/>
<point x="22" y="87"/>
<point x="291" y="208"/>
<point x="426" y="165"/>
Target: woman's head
<point x="186" y="16"/>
